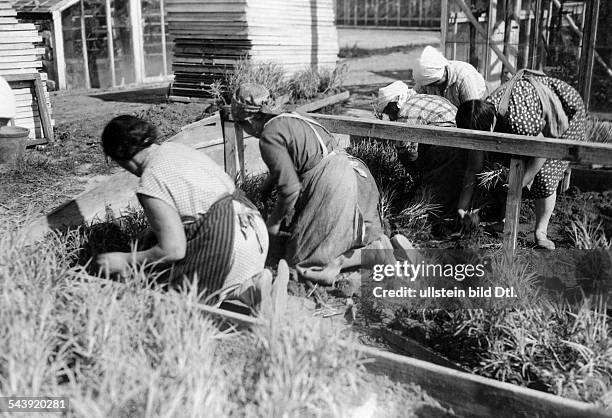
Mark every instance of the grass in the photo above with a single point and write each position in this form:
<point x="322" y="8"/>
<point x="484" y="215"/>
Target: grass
<point x="301" y="86"/>
<point x="598" y="130"/>
<point x="549" y="341"/>
<point x="134" y="350"/>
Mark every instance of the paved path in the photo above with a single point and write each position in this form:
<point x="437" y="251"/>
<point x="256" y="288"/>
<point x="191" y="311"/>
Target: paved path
<point x="384" y="69"/>
<point x="386" y="38"/>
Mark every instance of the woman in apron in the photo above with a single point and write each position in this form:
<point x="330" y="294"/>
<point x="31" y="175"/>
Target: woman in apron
<point x="203" y="227"/>
<point x="327" y="198"/>
<point x="531" y="104"/>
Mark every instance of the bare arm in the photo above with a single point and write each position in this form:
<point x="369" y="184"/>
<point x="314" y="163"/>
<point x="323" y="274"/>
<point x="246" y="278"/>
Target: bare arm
<point x="168" y="229"/>
<point x="475" y="163"/>
<point x="284" y="206"/>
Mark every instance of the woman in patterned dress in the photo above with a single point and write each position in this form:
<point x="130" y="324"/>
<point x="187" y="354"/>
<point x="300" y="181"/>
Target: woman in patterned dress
<point x="202" y="226"/>
<point x="531" y="104"/>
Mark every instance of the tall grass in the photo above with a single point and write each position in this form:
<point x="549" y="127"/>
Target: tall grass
<point x="598" y="130"/>
<point x="131" y="349"/>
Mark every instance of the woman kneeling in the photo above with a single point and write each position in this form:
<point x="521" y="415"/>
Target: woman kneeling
<point x="327" y="198"/>
<point x="202" y="225"/>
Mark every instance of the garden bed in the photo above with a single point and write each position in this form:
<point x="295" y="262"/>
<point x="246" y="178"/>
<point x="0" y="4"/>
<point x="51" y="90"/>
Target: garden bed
<point x="563" y="349"/>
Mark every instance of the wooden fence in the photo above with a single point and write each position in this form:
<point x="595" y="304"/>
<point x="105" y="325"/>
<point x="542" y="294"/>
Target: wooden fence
<point x="585" y="153"/>
<point x="392" y="13"/>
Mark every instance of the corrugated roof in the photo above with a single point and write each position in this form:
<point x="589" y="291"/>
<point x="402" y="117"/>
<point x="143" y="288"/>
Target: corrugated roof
<point x="42" y="6"/>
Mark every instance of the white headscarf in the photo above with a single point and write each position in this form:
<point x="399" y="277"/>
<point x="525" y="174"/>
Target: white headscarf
<point x="8" y="108"/>
<point x="397" y="91"/>
<point x="430" y="66"/>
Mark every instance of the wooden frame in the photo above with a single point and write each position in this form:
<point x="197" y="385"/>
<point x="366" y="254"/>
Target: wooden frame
<point x="466" y="394"/>
<point x="516" y="145"/>
<point x="43" y="111"/>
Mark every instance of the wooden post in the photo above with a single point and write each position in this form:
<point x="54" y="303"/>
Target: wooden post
<point x="443" y="25"/>
<point x="58" y="40"/>
<point x="376" y="12"/>
<point x="229" y="148"/>
<point x="585" y="77"/>
<point x="470" y="16"/>
<point x="526" y="50"/>
<point x="84" y="42"/>
<point x="137" y="39"/>
<point x="240" y="145"/>
<point x="535" y="38"/>
<point x="399" y="4"/>
<point x="355" y="13"/>
<point x="513" y="205"/>
<point x="163" y="35"/>
<point x="421" y="13"/>
<point x="111" y="46"/>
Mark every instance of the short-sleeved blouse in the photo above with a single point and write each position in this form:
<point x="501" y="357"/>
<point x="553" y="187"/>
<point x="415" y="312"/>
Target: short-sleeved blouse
<point x="188" y="180"/>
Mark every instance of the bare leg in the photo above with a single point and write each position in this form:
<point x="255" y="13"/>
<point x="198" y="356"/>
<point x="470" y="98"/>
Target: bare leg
<point x="382" y="254"/>
<point x="543" y="211"/>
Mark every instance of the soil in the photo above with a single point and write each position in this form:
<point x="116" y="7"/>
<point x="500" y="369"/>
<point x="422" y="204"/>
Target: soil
<point x="64" y="168"/>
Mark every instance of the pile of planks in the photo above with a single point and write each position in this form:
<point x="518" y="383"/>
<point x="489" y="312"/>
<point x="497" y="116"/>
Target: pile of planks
<point x="20" y="56"/>
<point x="209" y="37"/>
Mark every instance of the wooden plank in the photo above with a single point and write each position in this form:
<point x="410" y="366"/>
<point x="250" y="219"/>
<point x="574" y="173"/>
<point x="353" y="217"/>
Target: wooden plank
<point x="466" y="394"/>
<point x="137" y="39"/>
<point x="575" y="151"/>
<point x="229" y="148"/>
<point x="110" y="42"/>
<point x="327" y="101"/>
<point x="163" y="36"/>
<point x="443" y="25"/>
<point x="23" y="52"/>
<point x="84" y="46"/>
<point x="588" y="51"/>
<point x="43" y="110"/>
<point x="513" y="205"/>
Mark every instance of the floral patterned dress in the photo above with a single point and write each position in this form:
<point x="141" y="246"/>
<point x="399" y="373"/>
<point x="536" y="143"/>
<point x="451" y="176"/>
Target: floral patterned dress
<point x="525" y="117"/>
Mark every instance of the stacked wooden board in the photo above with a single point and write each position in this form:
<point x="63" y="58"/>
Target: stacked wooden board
<point x="19" y="55"/>
<point x="209" y="37"/>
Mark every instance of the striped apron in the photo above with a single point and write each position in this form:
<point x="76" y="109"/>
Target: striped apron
<point x="210" y="244"/>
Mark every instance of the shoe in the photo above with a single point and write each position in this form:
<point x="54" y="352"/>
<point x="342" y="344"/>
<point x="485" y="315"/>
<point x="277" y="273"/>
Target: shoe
<point x="400" y="242"/>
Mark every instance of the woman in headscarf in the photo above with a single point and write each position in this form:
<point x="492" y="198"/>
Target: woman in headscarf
<point x="204" y="228"/>
<point x="326" y="198"/>
<point x="531" y="104"/>
<point x="456" y="81"/>
<point x="442" y="167"/>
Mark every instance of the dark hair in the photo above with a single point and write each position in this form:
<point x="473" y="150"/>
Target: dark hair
<point x="476" y="114"/>
<point x="392" y="110"/>
<point x="125" y="136"/>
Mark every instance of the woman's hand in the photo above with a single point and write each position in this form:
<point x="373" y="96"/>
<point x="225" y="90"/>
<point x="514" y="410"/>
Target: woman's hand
<point x="111" y="263"/>
<point x="146" y="239"/>
<point x="273" y="229"/>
